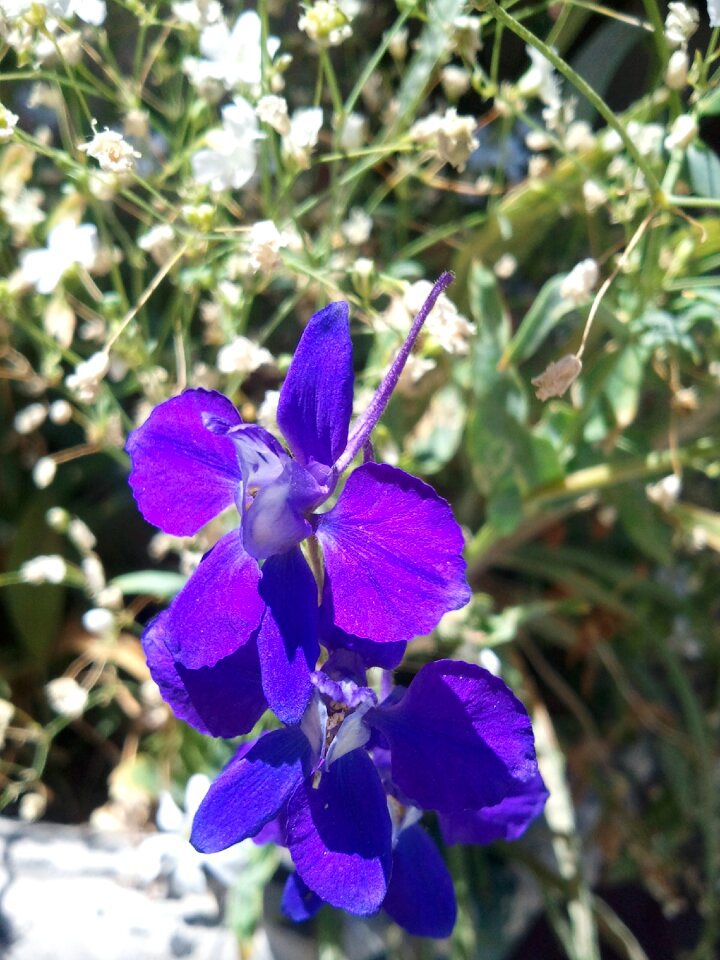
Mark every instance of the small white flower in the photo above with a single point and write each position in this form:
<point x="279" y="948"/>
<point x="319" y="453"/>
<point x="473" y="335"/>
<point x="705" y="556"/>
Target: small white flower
<point x="159" y="243"/>
<point x="557" y="377"/>
<point x="273" y="110"/>
<point x="446" y="325"/>
<point x="353" y="133"/>
<point x="60" y="412"/>
<point x="81" y="535"/>
<point x="7" y="710"/>
<point x="676" y="72"/>
<point x="264" y="244"/>
<point x="451" y="135"/>
<point x="198" y="13"/>
<point x="43" y="473"/>
<point x="66" y="697"/>
<point x="267" y="411"/>
<point x="357" y="227"/>
<point x="681" y="23"/>
<point x="232" y="58"/>
<point x="8" y="122"/>
<point x="580" y="282"/>
<point x="94" y="574"/>
<point x="68" y="245"/>
<point x="682" y="133"/>
<point x="32" y="806"/>
<point x="30" y="418"/>
<point x="242" y="356"/>
<point x="99" y="620"/>
<point x="594" y="196"/>
<point x="325" y="23"/>
<point x="111" y="151"/>
<point x="505" y="266"/>
<point x="303" y="135"/>
<point x="86" y="379"/>
<point x="22" y="210"/>
<point x="48" y="568"/>
<point x="713" y="7"/>
<point x="664" y="492"/>
<point x="455" y="81"/>
<point x="540" y="80"/>
<point x="230" y="157"/>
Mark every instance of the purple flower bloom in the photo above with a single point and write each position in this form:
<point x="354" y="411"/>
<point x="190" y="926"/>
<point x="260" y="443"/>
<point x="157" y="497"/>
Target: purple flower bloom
<point x="345" y="789"/>
<point x="391" y="550"/>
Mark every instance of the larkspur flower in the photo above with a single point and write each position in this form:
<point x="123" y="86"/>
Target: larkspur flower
<point x="345" y="789"/>
<point x="391" y="549"/>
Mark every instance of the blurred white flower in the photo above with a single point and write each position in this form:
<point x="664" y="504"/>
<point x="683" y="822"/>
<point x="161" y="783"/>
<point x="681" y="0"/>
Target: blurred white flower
<point x="664" y="492"/>
<point x="594" y="195"/>
<point x="713" y="7"/>
<point x="682" y="133"/>
<point x="66" y="696"/>
<point x="357" y="227"/>
<point x="85" y="381"/>
<point x="111" y="151"/>
<point x="273" y="110"/>
<point x="242" y="356"/>
<point x="681" y="23"/>
<point x="67" y="245"/>
<point x="540" y="80"/>
<point x="7" y="710"/>
<point x="91" y="11"/>
<point x="557" y="377"/>
<point x="325" y="23"/>
<point x="266" y="414"/>
<point x="99" y="620"/>
<point x="47" y="568"/>
<point x="230" y="157"/>
<point x="43" y="473"/>
<point x="8" y="122"/>
<point x="60" y="412"/>
<point x="451" y="135"/>
<point x="676" y="72"/>
<point x="446" y="325"/>
<point x="580" y="282"/>
<point x="198" y="13"/>
<point x="264" y="244"/>
<point x="30" y="418"/>
<point x="353" y="132"/>
<point x="232" y="58"/>
<point x="303" y="135"/>
<point x="22" y="210"/>
<point x="159" y="243"/>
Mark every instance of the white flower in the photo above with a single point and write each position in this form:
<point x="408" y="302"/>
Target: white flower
<point x="6" y="714"/>
<point x="68" y="244"/>
<point x="8" y="122"/>
<point x="60" y="412"/>
<point x="682" y="133"/>
<point x="446" y="325"/>
<point x="557" y="377"/>
<point x="242" y="356"/>
<point x="505" y="266"/>
<point x="232" y="58"/>
<point x="303" y="135"/>
<point x="264" y="244"/>
<point x="357" y="227"/>
<point x="353" y="133"/>
<point x="47" y="568"/>
<point x="325" y="23"/>
<point x="85" y="381"/>
<point x="664" y="492"/>
<point x="452" y="136"/>
<point x="540" y="80"/>
<point x="43" y="473"/>
<point x="267" y="411"/>
<point x="66" y="696"/>
<point x="594" y="195"/>
<point x="30" y="418"/>
<point x="81" y="535"/>
<point x="94" y="574"/>
<point x="580" y="282"/>
<point x="230" y="157"/>
<point x="91" y="11"/>
<point x="159" y="243"/>
<point x="111" y="151"/>
<point x="198" y="13"/>
<point x="273" y="110"/>
<point x="99" y="621"/>
<point x="681" y="23"/>
<point x="455" y="81"/>
<point x="713" y="7"/>
<point x="22" y="210"/>
<point x="676" y="72"/>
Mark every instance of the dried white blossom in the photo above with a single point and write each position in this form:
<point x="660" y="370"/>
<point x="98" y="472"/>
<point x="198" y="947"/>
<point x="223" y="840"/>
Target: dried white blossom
<point x="8" y="122"/>
<point x="47" y="568"/>
<point x="136" y="123"/>
<point x="43" y="473"/>
<point x="230" y="156"/>
<point x="325" y="23"/>
<point x="540" y="80"/>
<point x="665" y="491"/>
<point x="451" y="135"/>
<point x="159" y="243"/>
<point x="273" y="111"/>
<point x="465" y="36"/>
<point x="680" y="24"/>
<point x="68" y="245"/>
<point x="30" y="418"/>
<point x="111" y="150"/>
<point x="264" y="244"/>
<point x="84" y="383"/>
<point x="594" y="196"/>
<point x="299" y="142"/>
<point x="243" y="356"/>
<point x="557" y="377"/>
<point x="580" y="282"/>
<point x="676" y="72"/>
<point x="455" y="81"/>
<point x="682" y="133"/>
<point x="66" y="697"/>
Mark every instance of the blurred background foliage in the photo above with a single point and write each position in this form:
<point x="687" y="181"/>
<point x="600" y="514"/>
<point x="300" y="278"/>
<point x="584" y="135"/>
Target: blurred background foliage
<point x="591" y="519"/>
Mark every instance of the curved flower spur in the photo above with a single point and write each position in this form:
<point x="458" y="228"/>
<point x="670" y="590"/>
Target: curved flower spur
<point x="344" y="791"/>
<point x="391" y="550"/>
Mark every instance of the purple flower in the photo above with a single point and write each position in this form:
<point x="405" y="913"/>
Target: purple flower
<point x="344" y="790"/>
<point x="391" y="552"/>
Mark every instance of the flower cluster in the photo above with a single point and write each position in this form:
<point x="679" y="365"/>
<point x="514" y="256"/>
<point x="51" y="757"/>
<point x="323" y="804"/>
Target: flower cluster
<point x="346" y="780"/>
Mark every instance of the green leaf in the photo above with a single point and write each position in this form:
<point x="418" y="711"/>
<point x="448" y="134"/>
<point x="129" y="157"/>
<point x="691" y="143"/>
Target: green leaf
<point x="703" y="170"/>
<point x="547" y="310"/>
<point x="156" y="583"/>
<point x="436" y="436"/>
<point x="623" y="386"/>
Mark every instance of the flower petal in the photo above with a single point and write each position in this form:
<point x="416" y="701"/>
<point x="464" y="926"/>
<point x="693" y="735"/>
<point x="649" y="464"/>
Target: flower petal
<point x="287" y="640"/>
<point x="183" y="475"/>
<point x="420" y="896"/>
<point x="339" y="835"/>
<point x="459" y="738"/>
<point x="393" y="555"/>
<point x="298" y="902"/>
<point x="275" y="520"/>
<point x="507" y="820"/>
<point x="219" y="607"/>
<point x="316" y="398"/>
<point x="251" y="789"/>
<point x="225" y="700"/>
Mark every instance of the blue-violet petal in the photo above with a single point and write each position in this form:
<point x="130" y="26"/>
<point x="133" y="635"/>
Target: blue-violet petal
<point x="420" y="896"/>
